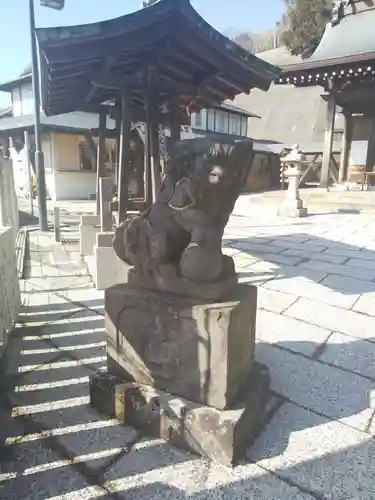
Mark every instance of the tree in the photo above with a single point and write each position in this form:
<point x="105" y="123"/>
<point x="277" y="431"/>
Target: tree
<point x="304" y="24"/>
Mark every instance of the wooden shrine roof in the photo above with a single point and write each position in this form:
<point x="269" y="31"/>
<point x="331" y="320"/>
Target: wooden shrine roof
<point x="346" y="50"/>
<point x="83" y="66"/>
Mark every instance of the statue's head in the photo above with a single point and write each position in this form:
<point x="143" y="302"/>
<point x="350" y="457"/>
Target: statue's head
<point x="213" y="164"/>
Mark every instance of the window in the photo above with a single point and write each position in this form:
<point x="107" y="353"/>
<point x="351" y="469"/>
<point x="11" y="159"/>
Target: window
<point x="235" y="124"/>
<point x="85" y="157"/>
<point x="211" y="120"/>
<point x="221" y="122"/>
<point x="244" y="122"/>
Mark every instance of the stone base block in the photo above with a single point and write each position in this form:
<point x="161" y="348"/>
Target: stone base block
<point x="200" y="351"/>
<point x="88" y="228"/>
<point x="292" y="208"/>
<point x="109" y="269"/>
<point x="219" y="435"/>
<point x="292" y="212"/>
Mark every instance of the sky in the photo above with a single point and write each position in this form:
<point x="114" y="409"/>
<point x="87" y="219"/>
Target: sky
<point x="246" y="15"/>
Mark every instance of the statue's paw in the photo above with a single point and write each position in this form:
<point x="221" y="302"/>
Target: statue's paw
<point x="201" y="264"/>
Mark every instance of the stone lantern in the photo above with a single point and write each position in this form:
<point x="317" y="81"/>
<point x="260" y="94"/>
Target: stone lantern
<point x="292" y="205"/>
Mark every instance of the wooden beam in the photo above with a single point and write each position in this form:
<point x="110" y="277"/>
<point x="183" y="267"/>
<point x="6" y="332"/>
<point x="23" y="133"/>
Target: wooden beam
<point x="109" y="62"/>
<point x="346" y="146"/>
<point x="328" y="140"/>
<point x="124" y="154"/>
<point x="219" y="60"/>
<point x="112" y="82"/>
<point x="138" y="114"/>
<point x="100" y="157"/>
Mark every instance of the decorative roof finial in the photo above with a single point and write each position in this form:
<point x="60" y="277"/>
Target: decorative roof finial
<point x="338" y="10"/>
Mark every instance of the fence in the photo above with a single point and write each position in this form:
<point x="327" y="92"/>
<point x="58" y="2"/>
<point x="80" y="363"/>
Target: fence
<point x="9" y="215"/>
<point x="10" y="300"/>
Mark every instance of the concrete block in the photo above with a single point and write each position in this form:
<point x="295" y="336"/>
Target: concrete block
<point x="200" y="351"/>
<point x="88" y="228"/>
<point x="109" y="269"/>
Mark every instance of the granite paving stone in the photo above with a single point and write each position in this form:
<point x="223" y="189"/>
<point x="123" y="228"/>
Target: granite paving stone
<point x="289" y="333"/>
<point x="308" y="289"/>
<point x="310" y="247"/>
<point x="316" y="256"/>
<point x="328" y="458"/>
<point x="365" y="304"/>
<point x="327" y="390"/>
<point x="343" y="270"/>
<point x="348" y="285"/>
<point x="350" y="353"/>
<point x="274" y="301"/>
<point x="315" y="331"/>
<point x="362" y="263"/>
<point x="348" y="251"/>
<point x="334" y="318"/>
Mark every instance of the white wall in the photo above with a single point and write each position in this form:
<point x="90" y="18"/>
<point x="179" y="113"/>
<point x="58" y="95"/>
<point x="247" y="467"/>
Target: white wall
<point x="22" y="100"/>
<point x="20" y="168"/>
<point x="74" y="185"/>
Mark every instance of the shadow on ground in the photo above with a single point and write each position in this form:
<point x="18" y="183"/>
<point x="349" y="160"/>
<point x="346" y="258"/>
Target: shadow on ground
<point x="55" y="446"/>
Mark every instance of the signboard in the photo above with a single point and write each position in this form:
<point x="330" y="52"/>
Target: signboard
<point x="53" y="4"/>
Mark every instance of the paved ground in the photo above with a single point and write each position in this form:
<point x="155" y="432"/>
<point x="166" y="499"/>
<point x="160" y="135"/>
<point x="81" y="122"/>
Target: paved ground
<point x="316" y="332"/>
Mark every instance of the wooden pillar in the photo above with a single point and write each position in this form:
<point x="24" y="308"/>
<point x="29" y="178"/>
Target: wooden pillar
<point x="175" y="119"/>
<point x="370" y="156"/>
<point x="7" y="147"/>
<point x="152" y="118"/>
<point x="328" y="139"/>
<point x="347" y="138"/>
<point x="152" y="150"/>
<point x="105" y="197"/>
<point x="147" y="165"/>
<point x="29" y="172"/>
<point x="124" y="155"/>
<point x="100" y="155"/>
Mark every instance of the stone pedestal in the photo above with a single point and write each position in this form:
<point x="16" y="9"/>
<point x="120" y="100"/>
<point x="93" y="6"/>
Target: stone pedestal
<point x="88" y="228"/>
<point x="183" y="370"/>
<point x="109" y="269"/>
<point x="292" y="208"/>
<point x="202" y="352"/>
<point x="219" y="435"/>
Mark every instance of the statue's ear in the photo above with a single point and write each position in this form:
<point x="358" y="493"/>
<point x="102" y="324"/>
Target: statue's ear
<point x="183" y="195"/>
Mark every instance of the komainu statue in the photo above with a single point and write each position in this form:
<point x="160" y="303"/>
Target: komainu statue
<point x="175" y="245"/>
